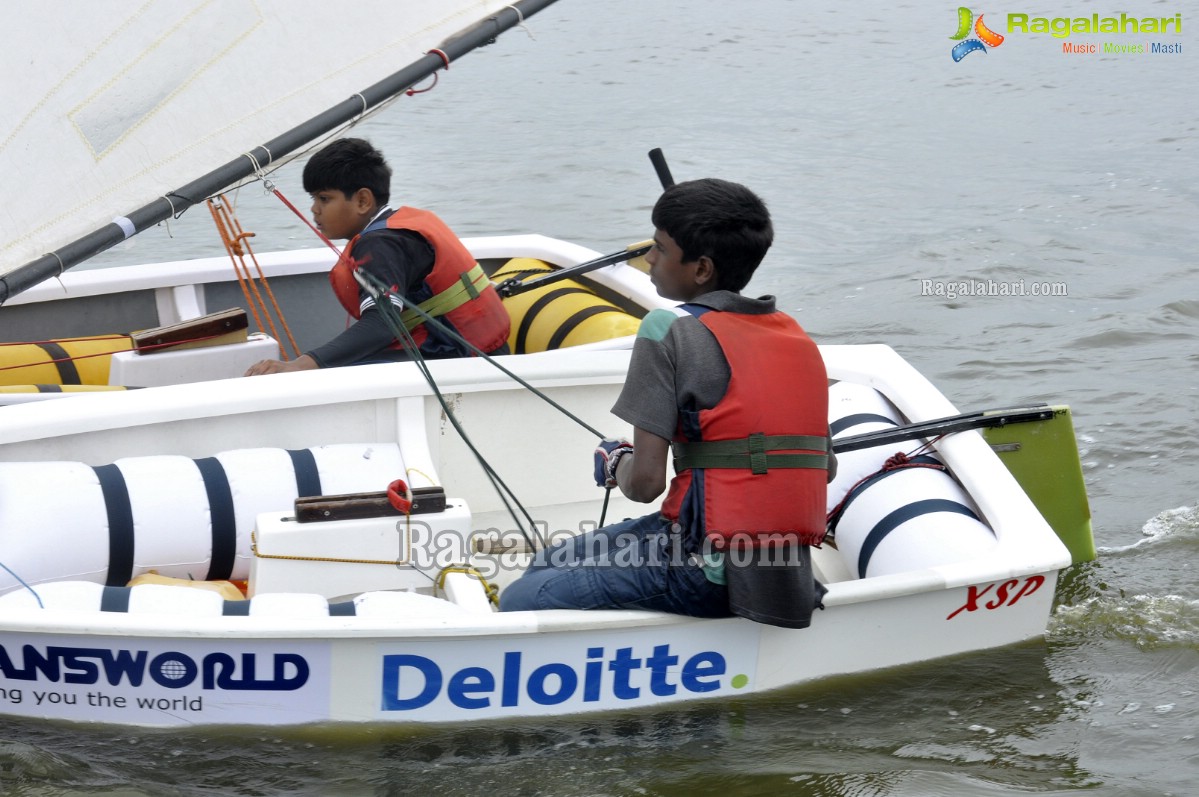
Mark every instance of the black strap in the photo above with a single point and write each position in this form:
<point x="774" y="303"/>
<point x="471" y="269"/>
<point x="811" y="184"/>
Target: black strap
<point x="49" y="388"/>
<point x="343" y="609"/>
<point x="572" y="323"/>
<point x="902" y="515"/>
<point x="223" y="519"/>
<point x="841" y="424"/>
<point x="120" y="524"/>
<point x="67" y="373"/>
<point x="115" y="599"/>
<point x="235" y="609"/>
<point x="755" y="453"/>
<point x="308" y="478"/>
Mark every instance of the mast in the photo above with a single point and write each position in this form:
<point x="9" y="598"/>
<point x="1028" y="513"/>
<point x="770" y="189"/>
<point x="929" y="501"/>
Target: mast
<point x="174" y="202"/>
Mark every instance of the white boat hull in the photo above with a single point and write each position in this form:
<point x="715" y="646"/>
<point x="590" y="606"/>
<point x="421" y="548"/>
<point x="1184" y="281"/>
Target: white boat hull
<point x="146" y="671"/>
<point x="176" y="658"/>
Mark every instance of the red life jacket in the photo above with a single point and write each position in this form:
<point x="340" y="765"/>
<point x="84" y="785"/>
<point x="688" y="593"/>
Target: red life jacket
<point x="756" y="463"/>
<point x="461" y="293"/>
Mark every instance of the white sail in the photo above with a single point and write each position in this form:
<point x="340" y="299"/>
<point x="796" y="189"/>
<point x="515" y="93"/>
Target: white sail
<point x="112" y="103"/>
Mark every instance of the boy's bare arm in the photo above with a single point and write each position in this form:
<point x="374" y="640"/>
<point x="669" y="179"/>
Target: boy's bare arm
<point x="641" y="476"/>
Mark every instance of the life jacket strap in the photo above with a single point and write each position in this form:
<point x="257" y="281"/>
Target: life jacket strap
<point x="470" y="286"/>
<point x="755" y="453"/>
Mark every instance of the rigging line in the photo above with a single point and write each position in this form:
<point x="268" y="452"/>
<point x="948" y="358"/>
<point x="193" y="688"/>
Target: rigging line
<point x="447" y="330"/>
<point x="21" y="581"/>
<point x="56" y="360"/>
<point x="391" y="315"/>
<point x="242" y="235"/>
<point x="64" y="340"/>
<point x="271" y="187"/>
<point x="248" y="289"/>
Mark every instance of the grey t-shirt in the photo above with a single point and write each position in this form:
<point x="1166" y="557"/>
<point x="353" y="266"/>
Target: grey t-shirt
<point x="656" y="386"/>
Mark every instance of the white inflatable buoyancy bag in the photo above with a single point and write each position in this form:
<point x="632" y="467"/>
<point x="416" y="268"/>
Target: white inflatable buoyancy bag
<point x="182" y="517"/>
<point x="898" y="519"/>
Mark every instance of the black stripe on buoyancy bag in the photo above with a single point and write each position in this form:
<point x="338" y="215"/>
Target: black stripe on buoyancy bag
<point x="901" y="516"/>
<point x="68" y="374"/>
<point x="868" y="503"/>
<point x="120" y="524"/>
<point x="74" y="361"/>
<point x="565" y="313"/>
<point x="224" y="519"/>
<point x="849" y="421"/>
<point x="168" y="513"/>
<point x="542" y="301"/>
<point x="923" y="460"/>
<point x="343" y="609"/>
<point x="308" y="478"/>
<point x="577" y="320"/>
<point x="910" y="518"/>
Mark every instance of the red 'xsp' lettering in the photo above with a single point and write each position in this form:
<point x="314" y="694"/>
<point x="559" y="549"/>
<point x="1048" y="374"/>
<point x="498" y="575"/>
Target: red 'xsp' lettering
<point x="1006" y="594"/>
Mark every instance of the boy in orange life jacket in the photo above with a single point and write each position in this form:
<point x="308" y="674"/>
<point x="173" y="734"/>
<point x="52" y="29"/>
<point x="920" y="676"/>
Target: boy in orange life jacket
<point x="737" y="392"/>
<point x="350" y="185"/>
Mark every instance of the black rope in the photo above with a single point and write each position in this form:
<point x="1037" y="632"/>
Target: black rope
<point x="391" y="314"/>
<point x="374" y="287"/>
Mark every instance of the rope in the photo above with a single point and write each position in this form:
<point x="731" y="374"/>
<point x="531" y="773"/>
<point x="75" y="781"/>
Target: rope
<point x="520" y="22"/>
<point x="339" y="560"/>
<point x="232" y="236"/>
<point x="145" y="347"/>
<point x="21" y="581"/>
<point x="493" y="592"/>
<point x="894" y="462"/>
<point x="55" y="361"/>
<point x="441" y="327"/>
<point x="271" y="187"/>
<point x="391" y="315"/>
<point x="66" y="340"/>
<point x="266" y="285"/>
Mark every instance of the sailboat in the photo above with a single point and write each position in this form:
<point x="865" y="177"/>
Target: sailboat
<point x="326" y="547"/>
<point x="130" y="119"/>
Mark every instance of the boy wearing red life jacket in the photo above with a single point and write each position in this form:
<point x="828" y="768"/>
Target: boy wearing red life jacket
<point x="350" y="184"/>
<point x="736" y="394"/>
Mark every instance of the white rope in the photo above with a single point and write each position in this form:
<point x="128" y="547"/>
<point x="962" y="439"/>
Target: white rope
<point x="520" y="22"/>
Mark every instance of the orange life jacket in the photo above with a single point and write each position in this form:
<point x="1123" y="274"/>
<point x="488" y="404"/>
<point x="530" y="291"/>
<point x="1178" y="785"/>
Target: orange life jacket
<point x="461" y="293"/>
<point x="756" y="463"/>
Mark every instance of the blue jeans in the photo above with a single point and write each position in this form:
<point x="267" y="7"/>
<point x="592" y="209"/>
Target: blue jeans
<point x="633" y="564"/>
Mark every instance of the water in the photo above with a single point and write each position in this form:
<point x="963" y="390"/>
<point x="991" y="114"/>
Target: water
<point x="886" y="164"/>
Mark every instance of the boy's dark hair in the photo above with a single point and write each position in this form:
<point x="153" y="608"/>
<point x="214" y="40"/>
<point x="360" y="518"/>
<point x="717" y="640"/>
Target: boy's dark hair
<point x="347" y="165"/>
<point x="725" y="221"/>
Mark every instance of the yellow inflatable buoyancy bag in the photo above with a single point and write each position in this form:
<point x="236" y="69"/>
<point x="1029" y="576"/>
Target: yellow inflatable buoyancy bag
<point x="44" y="388"/>
<point x="561" y="314"/>
<point x="74" y="361"/>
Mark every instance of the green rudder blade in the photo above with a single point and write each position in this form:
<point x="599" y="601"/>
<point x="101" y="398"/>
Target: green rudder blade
<point x="1043" y="458"/>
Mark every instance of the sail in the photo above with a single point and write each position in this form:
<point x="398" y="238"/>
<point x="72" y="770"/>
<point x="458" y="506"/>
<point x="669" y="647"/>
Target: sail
<point x="112" y="104"/>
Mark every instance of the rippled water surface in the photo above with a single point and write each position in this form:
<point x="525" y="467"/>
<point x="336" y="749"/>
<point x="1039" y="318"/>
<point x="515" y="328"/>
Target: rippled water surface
<point x="890" y="170"/>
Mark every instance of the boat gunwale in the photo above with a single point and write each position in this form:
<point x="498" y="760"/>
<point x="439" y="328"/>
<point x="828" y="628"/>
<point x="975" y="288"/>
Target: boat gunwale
<point x="1026" y="544"/>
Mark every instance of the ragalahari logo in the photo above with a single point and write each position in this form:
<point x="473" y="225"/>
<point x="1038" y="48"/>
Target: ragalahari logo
<point x="986" y="36"/>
